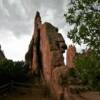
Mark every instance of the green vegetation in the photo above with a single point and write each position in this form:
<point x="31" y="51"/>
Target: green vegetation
<point x="10" y="70"/>
<point x="87" y="70"/>
<point x="84" y="16"/>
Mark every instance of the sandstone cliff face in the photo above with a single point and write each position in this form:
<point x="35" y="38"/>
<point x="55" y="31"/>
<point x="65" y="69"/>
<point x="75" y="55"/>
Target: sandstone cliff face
<point x="45" y="57"/>
<point x="50" y="49"/>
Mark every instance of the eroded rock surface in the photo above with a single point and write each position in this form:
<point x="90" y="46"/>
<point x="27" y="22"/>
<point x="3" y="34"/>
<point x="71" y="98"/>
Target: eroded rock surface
<point x="45" y="57"/>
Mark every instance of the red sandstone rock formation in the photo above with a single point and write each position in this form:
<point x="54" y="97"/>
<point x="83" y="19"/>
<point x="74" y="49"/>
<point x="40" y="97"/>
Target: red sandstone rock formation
<point x="71" y="52"/>
<point x="2" y="56"/>
<point x="31" y="56"/>
<point x="45" y="57"/>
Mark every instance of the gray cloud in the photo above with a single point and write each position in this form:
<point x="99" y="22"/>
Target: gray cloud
<point x="17" y="20"/>
<point x="18" y="15"/>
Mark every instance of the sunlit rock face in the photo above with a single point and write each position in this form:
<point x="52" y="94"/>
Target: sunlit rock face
<point x="2" y="56"/>
<point x="45" y="57"/>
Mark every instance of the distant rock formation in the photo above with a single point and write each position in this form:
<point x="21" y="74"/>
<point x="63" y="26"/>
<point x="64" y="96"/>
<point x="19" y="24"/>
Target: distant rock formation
<point x="45" y="57"/>
<point x="2" y="56"/>
<point x="71" y="53"/>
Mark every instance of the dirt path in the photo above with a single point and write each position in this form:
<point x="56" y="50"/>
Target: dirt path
<point x="87" y="96"/>
<point x="37" y="93"/>
<point x="25" y="94"/>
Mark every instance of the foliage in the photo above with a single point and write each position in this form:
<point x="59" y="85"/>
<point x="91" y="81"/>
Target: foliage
<point x="10" y="70"/>
<point x="84" y="15"/>
<point x="88" y="67"/>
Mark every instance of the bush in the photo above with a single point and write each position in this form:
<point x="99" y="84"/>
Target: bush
<point x="10" y="70"/>
<point x="88" y="67"/>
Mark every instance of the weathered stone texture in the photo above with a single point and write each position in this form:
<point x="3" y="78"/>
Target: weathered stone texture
<point x="45" y="56"/>
<point x="60" y="83"/>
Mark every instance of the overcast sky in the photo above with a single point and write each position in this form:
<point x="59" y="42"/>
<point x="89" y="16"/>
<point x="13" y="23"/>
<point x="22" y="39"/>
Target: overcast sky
<point x="17" y="20"/>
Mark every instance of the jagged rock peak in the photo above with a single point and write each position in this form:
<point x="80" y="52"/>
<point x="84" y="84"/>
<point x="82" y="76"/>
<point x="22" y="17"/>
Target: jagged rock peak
<point x="37" y="18"/>
<point x="37" y="14"/>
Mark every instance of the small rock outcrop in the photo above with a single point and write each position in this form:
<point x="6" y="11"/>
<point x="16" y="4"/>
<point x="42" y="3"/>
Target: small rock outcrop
<point x="2" y="56"/>
<point x="71" y="53"/>
<point x="45" y="58"/>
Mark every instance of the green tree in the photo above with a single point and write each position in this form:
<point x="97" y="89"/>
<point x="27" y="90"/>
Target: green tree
<point x="84" y="16"/>
<point x="88" y="68"/>
<point x="10" y="70"/>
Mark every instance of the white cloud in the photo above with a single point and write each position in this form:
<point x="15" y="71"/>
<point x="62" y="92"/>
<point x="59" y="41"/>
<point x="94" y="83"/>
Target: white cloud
<point x="14" y="48"/>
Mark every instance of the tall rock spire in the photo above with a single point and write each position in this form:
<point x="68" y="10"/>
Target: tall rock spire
<point x="31" y="56"/>
<point x="36" y="44"/>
